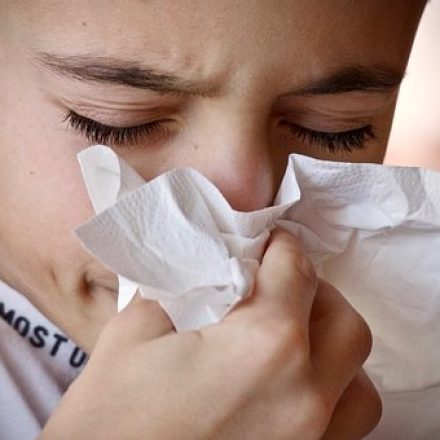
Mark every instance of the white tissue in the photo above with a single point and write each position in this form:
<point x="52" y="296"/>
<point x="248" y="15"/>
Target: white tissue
<point x="373" y="231"/>
<point x="176" y="239"/>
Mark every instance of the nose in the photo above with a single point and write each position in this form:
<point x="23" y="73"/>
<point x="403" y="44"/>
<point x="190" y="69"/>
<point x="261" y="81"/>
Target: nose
<point x="242" y="172"/>
<point x="235" y="152"/>
<point x="234" y="147"/>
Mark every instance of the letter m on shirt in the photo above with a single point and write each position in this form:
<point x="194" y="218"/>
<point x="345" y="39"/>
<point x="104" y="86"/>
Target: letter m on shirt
<point x="7" y="316"/>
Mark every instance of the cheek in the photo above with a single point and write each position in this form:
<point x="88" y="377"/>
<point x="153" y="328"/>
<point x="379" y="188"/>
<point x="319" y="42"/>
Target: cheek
<point x="42" y="194"/>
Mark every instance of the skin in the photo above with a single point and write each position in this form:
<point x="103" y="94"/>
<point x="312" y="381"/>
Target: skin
<point x="256" y="69"/>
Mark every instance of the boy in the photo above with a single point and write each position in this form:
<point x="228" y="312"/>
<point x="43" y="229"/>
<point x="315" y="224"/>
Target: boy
<point x="231" y="89"/>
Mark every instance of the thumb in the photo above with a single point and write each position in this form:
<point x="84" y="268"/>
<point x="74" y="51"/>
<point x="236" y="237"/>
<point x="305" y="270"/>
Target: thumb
<point x="286" y="283"/>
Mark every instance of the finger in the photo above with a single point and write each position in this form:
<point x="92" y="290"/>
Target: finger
<point x="141" y="320"/>
<point x="339" y="337"/>
<point x="357" y="412"/>
<point x="285" y="284"/>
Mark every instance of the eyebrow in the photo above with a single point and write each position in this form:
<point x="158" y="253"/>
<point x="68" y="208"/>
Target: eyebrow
<point x="355" y="78"/>
<point x="109" y="70"/>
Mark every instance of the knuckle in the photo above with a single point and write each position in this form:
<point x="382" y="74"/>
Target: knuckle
<point x="361" y="337"/>
<point x="375" y="413"/>
<point x="357" y="411"/>
<point x="356" y="332"/>
<point x="371" y="406"/>
<point x="281" y="342"/>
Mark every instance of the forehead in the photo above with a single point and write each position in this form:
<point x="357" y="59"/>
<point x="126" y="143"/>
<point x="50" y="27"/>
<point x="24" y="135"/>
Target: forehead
<point x="217" y="37"/>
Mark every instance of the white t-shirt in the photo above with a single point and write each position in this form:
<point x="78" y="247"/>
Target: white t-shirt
<point x="37" y="364"/>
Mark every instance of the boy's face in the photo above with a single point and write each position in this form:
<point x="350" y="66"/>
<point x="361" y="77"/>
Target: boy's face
<point x="229" y="88"/>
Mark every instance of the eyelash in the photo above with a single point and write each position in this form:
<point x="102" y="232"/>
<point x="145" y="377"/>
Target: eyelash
<point x="346" y="141"/>
<point x="100" y="133"/>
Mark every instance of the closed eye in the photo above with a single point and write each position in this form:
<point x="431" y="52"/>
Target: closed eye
<point x="100" y="133"/>
<point x="334" y="142"/>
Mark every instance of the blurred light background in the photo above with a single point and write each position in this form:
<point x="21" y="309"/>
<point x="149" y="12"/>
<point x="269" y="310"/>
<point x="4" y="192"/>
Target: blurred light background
<point x="415" y="138"/>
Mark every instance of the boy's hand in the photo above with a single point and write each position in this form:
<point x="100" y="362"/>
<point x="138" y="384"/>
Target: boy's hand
<point x="285" y="364"/>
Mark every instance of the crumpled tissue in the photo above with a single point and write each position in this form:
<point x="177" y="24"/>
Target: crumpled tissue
<point x="372" y="231"/>
<point x="175" y="239"/>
